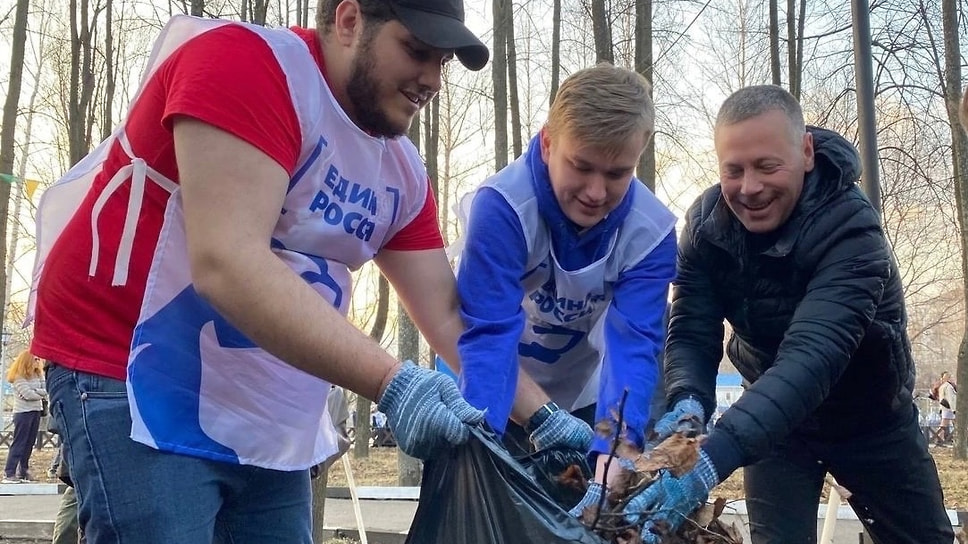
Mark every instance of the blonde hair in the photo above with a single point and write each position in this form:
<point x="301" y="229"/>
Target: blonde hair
<point x="602" y="106"/>
<point x="24" y="366"/>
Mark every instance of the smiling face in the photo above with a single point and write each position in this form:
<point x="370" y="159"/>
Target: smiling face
<point x="392" y="75"/>
<point x="762" y="164"/>
<point x="589" y="182"/>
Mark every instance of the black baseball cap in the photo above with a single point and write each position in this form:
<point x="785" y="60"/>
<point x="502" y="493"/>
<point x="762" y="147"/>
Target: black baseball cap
<point x="440" y="23"/>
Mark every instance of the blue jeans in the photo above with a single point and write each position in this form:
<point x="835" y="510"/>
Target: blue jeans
<point x="130" y="493"/>
<point x="892" y="477"/>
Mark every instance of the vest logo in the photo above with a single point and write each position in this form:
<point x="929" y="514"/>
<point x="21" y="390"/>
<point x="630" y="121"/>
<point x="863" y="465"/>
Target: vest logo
<point x="346" y="195"/>
<point x="563" y="309"/>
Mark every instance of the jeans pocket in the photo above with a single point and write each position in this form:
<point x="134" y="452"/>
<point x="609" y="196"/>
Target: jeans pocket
<point x="55" y="376"/>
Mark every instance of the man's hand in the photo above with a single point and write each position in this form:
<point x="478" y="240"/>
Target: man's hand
<point x="426" y="411"/>
<point x="562" y="430"/>
<point x="686" y="416"/>
<point x="668" y="501"/>
<point x="593" y="496"/>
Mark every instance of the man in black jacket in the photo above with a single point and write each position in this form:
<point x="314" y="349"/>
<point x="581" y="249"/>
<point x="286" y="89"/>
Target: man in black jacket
<point x="789" y="250"/>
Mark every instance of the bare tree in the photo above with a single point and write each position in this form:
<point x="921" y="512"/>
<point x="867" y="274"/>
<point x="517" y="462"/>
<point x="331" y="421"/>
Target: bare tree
<point x="959" y="146"/>
<point x="513" y="88"/>
<point x="795" y="45"/>
<point x="107" y="125"/>
<point x="302" y="13"/>
<point x="80" y="114"/>
<point x="643" y="65"/>
<point x="603" y="32"/>
<point x="257" y="11"/>
<point x="408" y="349"/>
<point x="499" y="63"/>
<point x="198" y="8"/>
<point x="775" y="42"/>
<point x="555" y="49"/>
<point x="9" y="130"/>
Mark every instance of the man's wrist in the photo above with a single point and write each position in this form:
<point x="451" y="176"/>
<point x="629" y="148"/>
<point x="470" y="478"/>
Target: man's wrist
<point x="540" y="416"/>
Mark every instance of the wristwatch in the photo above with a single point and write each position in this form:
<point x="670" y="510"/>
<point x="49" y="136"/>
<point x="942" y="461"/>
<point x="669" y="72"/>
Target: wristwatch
<point x="539" y="416"/>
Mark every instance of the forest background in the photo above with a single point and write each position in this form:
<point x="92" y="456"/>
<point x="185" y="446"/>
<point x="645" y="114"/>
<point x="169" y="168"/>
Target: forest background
<point x="69" y="69"/>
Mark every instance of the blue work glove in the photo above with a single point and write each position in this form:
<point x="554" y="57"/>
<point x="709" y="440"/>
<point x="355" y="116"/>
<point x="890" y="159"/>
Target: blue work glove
<point x="669" y="499"/>
<point x="562" y="430"/>
<point x="592" y="496"/>
<point x="686" y="417"/>
<point x="594" y="492"/>
<point x="426" y="411"/>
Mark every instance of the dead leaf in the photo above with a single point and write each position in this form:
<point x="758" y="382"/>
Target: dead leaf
<point x="677" y="453"/>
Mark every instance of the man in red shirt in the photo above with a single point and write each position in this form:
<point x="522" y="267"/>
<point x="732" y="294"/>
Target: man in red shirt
<point x="193" y="329"/>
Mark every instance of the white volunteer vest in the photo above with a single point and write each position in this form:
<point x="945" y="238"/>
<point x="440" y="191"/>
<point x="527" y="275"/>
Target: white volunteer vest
<point x="561" y="346"/>
<point x="196" y="385"/>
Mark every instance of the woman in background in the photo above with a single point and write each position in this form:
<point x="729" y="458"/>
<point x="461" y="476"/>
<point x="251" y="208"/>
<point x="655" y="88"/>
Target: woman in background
<point x="27" y="376"/>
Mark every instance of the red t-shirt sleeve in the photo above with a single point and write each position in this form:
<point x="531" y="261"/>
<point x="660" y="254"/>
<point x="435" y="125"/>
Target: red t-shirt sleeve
<point x="229" y="78"/>
<point x="421" y="233"/>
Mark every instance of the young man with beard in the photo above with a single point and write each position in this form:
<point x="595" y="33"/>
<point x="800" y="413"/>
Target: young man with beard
<point x="790" y="252"/>
<point x="564" y="276"/>
<point x="193" y="308"/>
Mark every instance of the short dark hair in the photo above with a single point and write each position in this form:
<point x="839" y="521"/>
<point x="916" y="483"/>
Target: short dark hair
<point x="374" y="11"/>
<point x="756" y="100"/>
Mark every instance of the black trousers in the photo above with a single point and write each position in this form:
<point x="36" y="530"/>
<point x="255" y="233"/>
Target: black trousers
<point x="892" y="477"/>
<point x="25" y="427"/>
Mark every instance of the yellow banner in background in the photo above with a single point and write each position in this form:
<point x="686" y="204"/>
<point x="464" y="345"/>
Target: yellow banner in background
<point x="30" y="187"/>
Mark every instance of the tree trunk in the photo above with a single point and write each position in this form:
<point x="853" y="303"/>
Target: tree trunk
<point x="643" y="65"/>
<point x="198" y="8"/>
<point x="555" y="50"/>
<point x="431" y="147"/>
<point x="80" y="116"/>
<point x="499" y="74"/>
<point x="513" y="89"/>
<point x="603" y="32"/>
<point x="361" y="421"/>
<point x="258" y="10"/>
<point x="959" y="145"/>
<point x="799" y="73"/>
<point x="319" y="505"/>
<point x="791" y="28"/>
<point x="8" y="131"/>
<point x="408" y="346"/>
<point x="107" y="125"/>
<point x="17" y="227"/>
<point x="775" y="41"/>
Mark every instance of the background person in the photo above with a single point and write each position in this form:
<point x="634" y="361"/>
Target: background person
<point x="26" y="374"/>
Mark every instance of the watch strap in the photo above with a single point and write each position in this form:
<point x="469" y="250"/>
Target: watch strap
<point x="540" y="416"/>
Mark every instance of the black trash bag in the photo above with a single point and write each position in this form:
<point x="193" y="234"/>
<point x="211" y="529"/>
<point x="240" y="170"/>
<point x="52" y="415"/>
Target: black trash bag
<point x="478" y="494"/>
<point x="546" y="465"/>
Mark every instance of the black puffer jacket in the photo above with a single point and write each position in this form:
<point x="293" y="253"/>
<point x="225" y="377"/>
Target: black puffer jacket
<point x="817" y="312"/>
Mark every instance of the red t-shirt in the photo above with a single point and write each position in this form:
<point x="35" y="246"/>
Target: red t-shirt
<point x="228" y="78"/>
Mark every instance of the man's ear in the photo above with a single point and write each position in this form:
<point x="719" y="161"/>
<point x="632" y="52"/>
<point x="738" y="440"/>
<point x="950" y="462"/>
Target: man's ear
<point x="348" y="22"/>
<point x="807" y="152"/>
<point x="545" y="145"/>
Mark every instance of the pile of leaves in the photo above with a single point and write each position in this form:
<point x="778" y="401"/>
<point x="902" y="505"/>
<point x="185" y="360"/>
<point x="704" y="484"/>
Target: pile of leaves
<point x="677" y="454"/>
